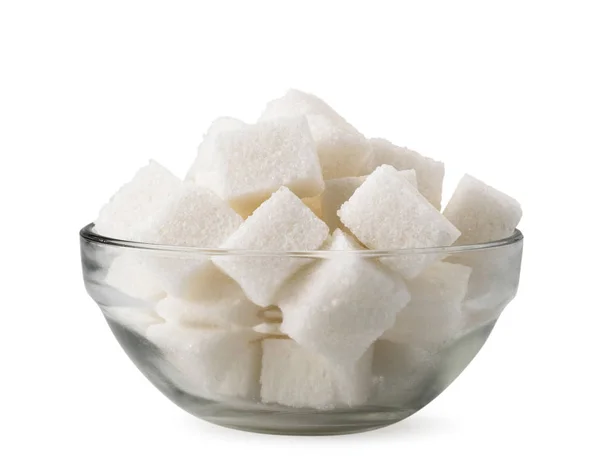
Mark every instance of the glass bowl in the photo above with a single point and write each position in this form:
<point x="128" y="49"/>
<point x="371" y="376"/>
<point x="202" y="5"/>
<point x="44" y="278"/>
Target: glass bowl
<point x="192" y="332"/>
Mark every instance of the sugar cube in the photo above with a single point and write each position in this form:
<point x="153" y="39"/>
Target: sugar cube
<point x="481" y="213"/>
<point x="340" y="306"/>
<point x="222" y="304"/>
<point x="129" y="274"/>
<point x="211" y="363"/>
<point x="343" y="150"/>
<point x="282" y="223"/>
<point x="202" y="171"/>
<point x="430" y="173"/>
<point x="193" y="217"/>
<point x="125" y="216"/>
<point x="399" y="372"/>
<point x="387" y="212"/>
<point x="338" y="191"/>
<point x="294" y="376"/>
<point x="252" y="163"/>
<point x="433" y="316"/>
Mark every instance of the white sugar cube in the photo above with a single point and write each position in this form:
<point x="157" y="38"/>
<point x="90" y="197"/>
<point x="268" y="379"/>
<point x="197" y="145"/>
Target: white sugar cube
<point x="125" y="216"/>
<point x="224" y="305"/>
<point x="252" y="163"/>
<point x="202" y="171"/>
<point x="193" y="217"/>
<point x="482" y="213"/>
<point x="210" y="363"/>
<point x="343" y="150"/>
<point x="387" y="212"/>
<point x="296" y="377"/>
<point x="399" y="373"/>
<point x="137" y="319"/>
<point x="430" y="173"/>
<point x="282" y="223"/>
<point x="339" y="306"/>
<point x="338" y="191"/>
<point x="433" y="316"/>
<point x="129" y="274"/>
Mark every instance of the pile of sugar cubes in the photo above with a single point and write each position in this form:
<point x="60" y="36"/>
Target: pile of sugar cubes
<point x="333" y="330"/>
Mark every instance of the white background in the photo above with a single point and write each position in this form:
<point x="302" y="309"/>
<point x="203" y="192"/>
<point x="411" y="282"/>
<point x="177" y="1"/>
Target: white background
<point x="89" y="91"/>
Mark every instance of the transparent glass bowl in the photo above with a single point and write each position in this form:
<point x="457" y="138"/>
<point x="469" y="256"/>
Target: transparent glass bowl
<point x="204" y="350"/>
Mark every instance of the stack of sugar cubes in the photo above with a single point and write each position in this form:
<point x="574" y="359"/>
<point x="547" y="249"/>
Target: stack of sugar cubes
<point x="329" y="330"/>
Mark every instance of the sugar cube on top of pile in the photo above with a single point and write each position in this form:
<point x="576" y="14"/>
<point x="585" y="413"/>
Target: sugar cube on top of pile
<point x="183" y="221"/>
<point x="202" y="170"/>
<point x="386" y="212"/>
<point x="156" y="207"/>
<point x="125" y="216"/>
<point x="193" y="217"/>
<point x="343" y="151"/>
<point x="481" y="213"/>
<point x="338" y="191"/>
<point x="245" y="165"/>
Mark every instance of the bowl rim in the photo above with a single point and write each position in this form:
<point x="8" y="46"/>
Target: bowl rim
<point x="87" y="233"/>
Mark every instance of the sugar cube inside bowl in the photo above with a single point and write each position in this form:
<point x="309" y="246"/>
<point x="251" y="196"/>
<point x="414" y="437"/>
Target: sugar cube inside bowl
<point x="282" y="223"/>
<point x="331" y="308"/>
<point x="207" y="362"/>
<point x="302" y="278"/>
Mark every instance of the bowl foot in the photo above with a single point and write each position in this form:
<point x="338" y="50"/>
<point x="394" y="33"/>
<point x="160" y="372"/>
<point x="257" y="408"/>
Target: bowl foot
<point x="289" y="428"/>
<point x="308" y="424"/>
<point x="314" y="430"/>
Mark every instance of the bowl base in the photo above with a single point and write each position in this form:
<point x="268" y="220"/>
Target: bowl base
<point x="280" y="420"/>
<point x="337" y="430"/>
